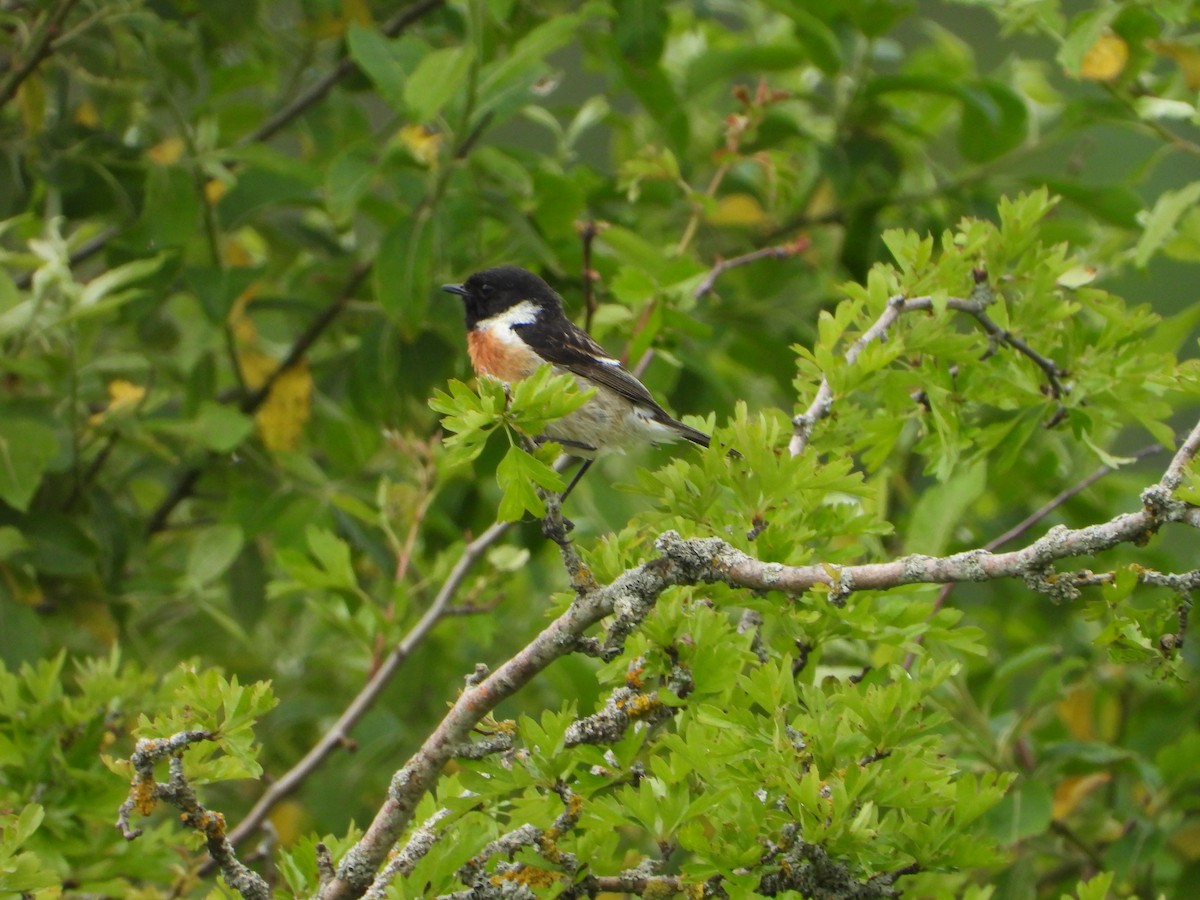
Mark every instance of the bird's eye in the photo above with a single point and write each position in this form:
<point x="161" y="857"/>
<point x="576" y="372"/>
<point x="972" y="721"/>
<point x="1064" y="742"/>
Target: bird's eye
<point x="486" y="289"/>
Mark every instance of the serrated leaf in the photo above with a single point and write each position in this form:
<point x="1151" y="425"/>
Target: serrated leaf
<point x="519" y="475"/>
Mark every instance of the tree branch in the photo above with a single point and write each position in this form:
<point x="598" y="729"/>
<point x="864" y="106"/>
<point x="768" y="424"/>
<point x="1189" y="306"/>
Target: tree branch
<point x="335" y="738"/>
<point x="346" y="66"/>
<point x="778" y="251"/>
<point x="145" y="793"/>
<point x="712" y="560"/>
<point x="41" y="41"/>
<point x="250" y="404"/>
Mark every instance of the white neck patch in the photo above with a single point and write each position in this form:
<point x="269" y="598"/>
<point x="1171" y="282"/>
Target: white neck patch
<point x="523" y="313"/>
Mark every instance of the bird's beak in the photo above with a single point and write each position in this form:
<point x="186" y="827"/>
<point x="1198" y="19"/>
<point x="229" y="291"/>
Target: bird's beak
<point x="455" y="289"/>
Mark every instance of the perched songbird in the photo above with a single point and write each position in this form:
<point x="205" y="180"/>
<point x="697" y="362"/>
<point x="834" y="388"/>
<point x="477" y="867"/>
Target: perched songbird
<point x="515" y="322"/>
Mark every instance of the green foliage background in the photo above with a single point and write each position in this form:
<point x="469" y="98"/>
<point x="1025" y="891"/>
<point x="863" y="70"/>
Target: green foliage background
<point x="176" y="220"/>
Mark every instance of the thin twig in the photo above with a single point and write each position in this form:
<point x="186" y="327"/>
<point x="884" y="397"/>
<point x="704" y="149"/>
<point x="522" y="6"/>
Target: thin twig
<point x="345" y="67"/>
<point x="250" y="404"/>
<point x="719" y="268"/>
<point x="1033" y="518"/>
<point x="1027" y="523"/>
<point x="587" y="231"/>
<point x="777" y="251"/>
<point x="41" y="44"/>
<point x="337" y="735"/>
<point x="822" y="403"/>
<point x="1173" y="477"/>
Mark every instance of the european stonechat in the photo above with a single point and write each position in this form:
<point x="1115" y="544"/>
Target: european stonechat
<point x="515" y="322"/>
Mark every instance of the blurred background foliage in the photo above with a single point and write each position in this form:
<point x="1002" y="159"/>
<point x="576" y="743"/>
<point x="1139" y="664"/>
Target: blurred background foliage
<point x="223" y="225"/>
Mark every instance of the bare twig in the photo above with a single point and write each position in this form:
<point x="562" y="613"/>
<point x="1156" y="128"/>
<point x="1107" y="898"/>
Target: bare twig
<point x="822" y="403"/>
<point x="777" y="251"/>
<point x="41" y="44"/>
<point x="403" y="862"/>
<point x="1173" y="477"/>
<point x="587" y="231"/>
<point x="1033" y="518"/>
<point x="720" y="267"/>
<point x="339" y="732"/>
<point x="345" y="67"/>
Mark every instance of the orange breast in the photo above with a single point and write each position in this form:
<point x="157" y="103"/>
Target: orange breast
<point x="500" y="359"/>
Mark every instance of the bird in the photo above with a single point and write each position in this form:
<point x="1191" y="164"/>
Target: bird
<point x="515" y="323"/>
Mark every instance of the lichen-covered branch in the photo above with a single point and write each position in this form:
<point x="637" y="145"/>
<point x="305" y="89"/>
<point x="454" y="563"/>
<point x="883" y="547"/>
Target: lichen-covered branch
<point x="713" y="561"/>
<point x="145" y="794"/>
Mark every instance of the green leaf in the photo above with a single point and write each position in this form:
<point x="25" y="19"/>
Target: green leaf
<point x="543" y="397"/>
<point x="994" y="121"/>
<point x="27" y="447"/>
<point x="372" y="52"/>
<point x="534" y="47"/>
<point x="1161" y="221"/>
<point x="212" y="552"/>
<point x="519" y="475"/>
<point x="217" y="427"/>
<point x="114" y="279"/>
<point x="1095" y="888"/>
<point x="437" y="78"/>
<point x="1024" y="813"/>
<point x="402" y="274"/>
<point x="12" y="542"/>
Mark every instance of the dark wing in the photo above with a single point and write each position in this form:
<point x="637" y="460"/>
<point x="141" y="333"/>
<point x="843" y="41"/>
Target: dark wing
<point x="563" y="344"/>
<point x="559" y="342"/>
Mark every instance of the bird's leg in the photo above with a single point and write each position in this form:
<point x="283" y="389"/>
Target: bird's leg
<point x="584" y="466"/>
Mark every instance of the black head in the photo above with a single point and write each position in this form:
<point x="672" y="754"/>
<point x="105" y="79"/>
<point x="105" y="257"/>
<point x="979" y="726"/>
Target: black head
<point x="492" y="291"/>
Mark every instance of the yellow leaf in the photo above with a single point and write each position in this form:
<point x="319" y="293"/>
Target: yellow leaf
<point x="21" y="586"/>
<point x="166" y="151"/>
<point x="122" y="395"/>
<point x="214" y="190"/>
<point x="255" y="365"/>
<point x="85" y="114"/>
<point x="1186" y="841"/>
<point x="1072" y="791"/>
<point x="1185" y="56"/>
<point x="1105" y="59"/>
<point x="244" y="248"/>
<point x="1075" y="711"/>
<point x="31" y="101"/>
<point x="242" y="327"/>
<point x="357" y="11"/>
<point x="423" y="143"/>
<point x="738" y="210"/>
<point x="291" y="821"/>
<point x="282" y="417"/>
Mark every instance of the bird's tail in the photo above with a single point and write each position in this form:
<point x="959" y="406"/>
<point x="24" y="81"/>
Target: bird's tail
<point x="687" y="432"/>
